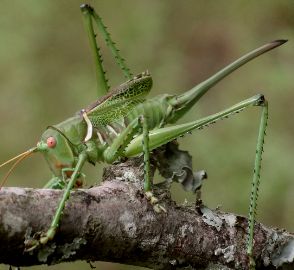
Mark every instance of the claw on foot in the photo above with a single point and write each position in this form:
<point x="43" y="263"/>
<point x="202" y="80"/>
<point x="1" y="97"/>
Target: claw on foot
<point x="31" y="244"/>
<point x="158" y="208"/>
<point x="49" y="235"/>
<point x="39" y="239"/>
<point x="154" y="201"/>
<point x="251" y="263"/>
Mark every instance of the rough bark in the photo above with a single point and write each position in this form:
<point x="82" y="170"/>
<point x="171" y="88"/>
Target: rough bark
<point x="114" y="222"/>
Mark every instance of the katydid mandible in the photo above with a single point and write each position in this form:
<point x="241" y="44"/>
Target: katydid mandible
<point x="124" y="124"/>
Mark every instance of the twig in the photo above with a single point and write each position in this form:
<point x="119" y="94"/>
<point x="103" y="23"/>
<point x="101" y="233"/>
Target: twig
<point x="114" y="222"/>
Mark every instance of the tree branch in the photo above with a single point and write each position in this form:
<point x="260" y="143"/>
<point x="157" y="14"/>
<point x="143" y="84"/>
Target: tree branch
<point x="114" y="222"/>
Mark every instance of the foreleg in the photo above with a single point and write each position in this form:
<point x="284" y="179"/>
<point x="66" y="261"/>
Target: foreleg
<point x="55" y="183"/>
<point x="45" y="237"/>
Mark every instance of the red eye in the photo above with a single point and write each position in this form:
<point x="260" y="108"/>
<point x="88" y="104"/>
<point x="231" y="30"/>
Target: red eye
<point x="51" y="142"/>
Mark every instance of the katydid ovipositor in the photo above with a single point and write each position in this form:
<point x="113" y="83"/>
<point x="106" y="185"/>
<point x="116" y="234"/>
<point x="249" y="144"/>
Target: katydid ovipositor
<point x="115" y="126"/>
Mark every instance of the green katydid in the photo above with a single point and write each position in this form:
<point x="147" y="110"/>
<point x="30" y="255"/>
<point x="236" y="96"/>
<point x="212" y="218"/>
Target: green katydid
<point x="124" y="124"/>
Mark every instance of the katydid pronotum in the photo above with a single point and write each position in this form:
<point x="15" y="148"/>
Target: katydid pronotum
<point x="123" y="123"/>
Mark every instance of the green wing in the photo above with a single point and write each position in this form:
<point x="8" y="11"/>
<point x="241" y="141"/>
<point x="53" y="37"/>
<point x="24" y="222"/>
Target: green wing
<point x="120" y="101"/>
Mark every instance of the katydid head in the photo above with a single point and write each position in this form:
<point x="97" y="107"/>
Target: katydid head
<point x="57" y="150"/>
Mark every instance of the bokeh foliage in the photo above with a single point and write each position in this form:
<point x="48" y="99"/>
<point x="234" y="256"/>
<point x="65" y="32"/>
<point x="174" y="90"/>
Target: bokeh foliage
<point x="47" y="74"/>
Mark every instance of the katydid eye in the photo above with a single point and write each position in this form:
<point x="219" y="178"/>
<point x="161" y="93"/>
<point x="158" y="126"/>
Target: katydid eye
<point x="51" y="142"/>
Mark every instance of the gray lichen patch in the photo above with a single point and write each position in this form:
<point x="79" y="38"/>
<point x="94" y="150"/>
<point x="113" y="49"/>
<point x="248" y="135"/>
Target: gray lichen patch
<point x="149" y="243"/>
<point x="129" y="175"/>
<point x="45" y="252"/>
<point x="212" y="266"/>
<point x="228" y="253"/>
<point x="149" y="217"/>
<point x="70" y="249"/>
<point x="230" y="220"/>
<point x="12" y="223"/>
<point x="170" y="239"/>
<point x="17" y="191"/>
<point x="211" y="218"/>
<point x="186" y="229"/>
<point x="128" y="224"/>
<point x="285" y="255"/>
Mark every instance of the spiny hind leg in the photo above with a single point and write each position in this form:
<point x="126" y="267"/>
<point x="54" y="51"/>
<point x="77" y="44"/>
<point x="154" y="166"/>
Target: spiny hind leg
<point x="257" y="100"/>
<point x="164" y="135"/>
<point x="256" y="181"/>
<point x="260" y="101"/>
<point x="102" y="82"/>
<point x="120" y="61"/>
<point x="102" y="85"/>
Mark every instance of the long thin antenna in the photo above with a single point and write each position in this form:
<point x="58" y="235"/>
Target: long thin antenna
<point x="18" y="156"/>
<point x="18" y="159"/>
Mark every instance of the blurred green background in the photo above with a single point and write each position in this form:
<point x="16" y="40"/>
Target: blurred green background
<point x="47" y="74"/>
